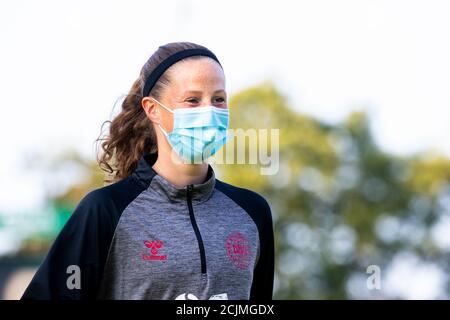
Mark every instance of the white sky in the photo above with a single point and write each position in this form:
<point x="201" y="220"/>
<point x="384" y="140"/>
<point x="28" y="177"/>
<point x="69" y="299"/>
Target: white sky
<point x="64" y="63"/>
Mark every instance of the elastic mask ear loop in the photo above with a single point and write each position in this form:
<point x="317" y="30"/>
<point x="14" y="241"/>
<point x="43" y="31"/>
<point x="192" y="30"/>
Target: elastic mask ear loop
<point x="163" y="105"/>
<point x="163" y="131"/>
<point x="159" y="125"/>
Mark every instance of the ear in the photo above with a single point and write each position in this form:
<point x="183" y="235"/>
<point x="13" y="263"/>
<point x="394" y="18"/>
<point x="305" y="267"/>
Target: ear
<point x="151" y="110"/>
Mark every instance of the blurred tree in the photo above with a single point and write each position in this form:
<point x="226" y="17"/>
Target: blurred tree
<point x="68" y="178"/>
<point x="334" y="190"/>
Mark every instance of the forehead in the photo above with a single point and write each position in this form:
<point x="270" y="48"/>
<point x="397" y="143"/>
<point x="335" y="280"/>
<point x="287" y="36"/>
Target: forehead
<point x="199" y="74"/>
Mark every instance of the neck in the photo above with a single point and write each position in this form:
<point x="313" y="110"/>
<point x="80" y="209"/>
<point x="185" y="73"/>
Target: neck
<point x="179" y="174"/>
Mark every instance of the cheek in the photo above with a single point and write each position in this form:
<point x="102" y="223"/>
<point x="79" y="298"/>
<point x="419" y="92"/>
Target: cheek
<point x="167" y="122"/>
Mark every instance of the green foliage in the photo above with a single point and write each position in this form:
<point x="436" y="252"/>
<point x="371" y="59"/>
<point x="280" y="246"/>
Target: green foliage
<point x="333" y="190"/>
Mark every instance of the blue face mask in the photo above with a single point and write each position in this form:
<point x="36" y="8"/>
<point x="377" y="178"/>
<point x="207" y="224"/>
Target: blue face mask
<point x="198" y="132"/>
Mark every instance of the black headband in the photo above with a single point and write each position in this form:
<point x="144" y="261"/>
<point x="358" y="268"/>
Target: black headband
<point x="165" y="64"/>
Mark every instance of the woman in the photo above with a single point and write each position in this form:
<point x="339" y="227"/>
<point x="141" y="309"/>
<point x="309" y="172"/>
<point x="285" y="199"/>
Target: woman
<point x="166" y="227"/>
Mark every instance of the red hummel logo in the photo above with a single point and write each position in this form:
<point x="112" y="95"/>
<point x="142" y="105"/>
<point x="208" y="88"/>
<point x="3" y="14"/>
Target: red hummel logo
<point x="154" y="246"/>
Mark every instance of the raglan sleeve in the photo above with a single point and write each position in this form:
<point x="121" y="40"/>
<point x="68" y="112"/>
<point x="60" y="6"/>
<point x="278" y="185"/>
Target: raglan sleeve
<point x="73" y="265"/>
<point x="263" y="276"/>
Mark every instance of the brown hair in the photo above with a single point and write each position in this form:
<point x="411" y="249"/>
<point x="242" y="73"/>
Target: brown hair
<point x="131" y="133"/>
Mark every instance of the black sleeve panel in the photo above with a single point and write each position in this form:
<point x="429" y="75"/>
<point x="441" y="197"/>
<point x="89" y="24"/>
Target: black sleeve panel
<point x="259" y="210"/>
<point x="84" y="242"/>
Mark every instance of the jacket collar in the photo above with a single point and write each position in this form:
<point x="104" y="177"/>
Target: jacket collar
<point x="149" y="178"/>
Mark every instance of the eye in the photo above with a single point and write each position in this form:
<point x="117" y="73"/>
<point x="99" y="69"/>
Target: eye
<point x="192" y="100"/>
<point x="220" y="99"/>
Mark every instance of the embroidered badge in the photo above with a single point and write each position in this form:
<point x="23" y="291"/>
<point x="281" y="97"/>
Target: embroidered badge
<point x="238" y="249"/>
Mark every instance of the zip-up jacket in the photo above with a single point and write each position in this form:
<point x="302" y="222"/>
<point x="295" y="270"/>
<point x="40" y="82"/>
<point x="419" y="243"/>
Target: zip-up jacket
<point x="144" y="238"/>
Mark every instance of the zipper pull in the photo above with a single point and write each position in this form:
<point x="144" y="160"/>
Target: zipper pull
<point x="189" y="188"/>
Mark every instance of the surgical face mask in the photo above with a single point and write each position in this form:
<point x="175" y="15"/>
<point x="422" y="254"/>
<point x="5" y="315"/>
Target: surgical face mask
<point x="198" y="132"/>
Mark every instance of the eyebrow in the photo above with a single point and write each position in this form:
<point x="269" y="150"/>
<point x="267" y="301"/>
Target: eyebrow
<point x="197" y="91"/>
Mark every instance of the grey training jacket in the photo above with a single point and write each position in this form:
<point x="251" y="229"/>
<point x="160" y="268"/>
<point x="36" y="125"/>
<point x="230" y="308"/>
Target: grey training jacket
<point x="144" y="238"/>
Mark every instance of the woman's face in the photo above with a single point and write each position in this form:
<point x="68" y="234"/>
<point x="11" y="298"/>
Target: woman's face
<point x="194" y="83"/>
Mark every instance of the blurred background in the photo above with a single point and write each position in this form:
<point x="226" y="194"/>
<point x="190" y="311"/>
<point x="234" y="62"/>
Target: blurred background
<point x="359" y="90"/>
